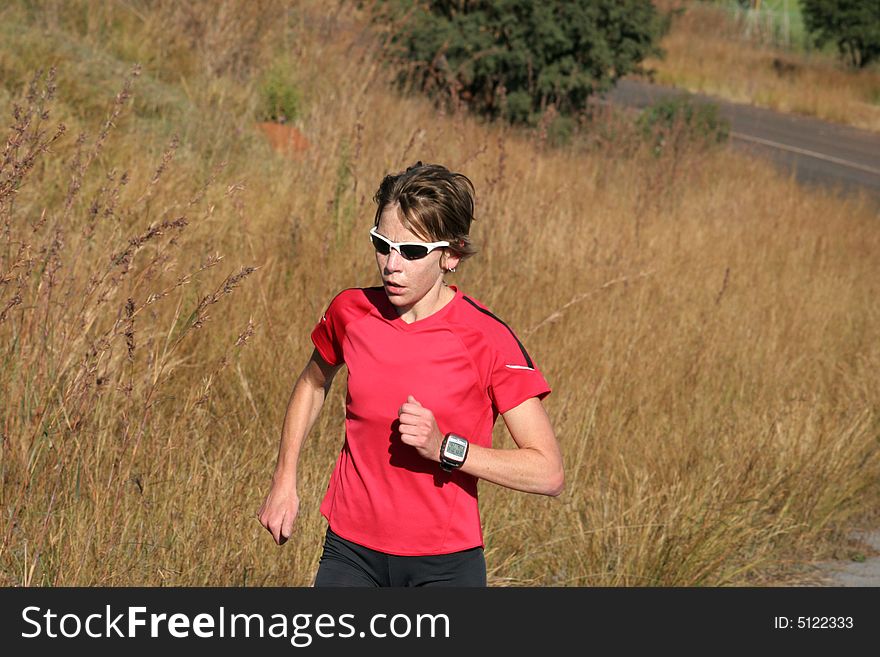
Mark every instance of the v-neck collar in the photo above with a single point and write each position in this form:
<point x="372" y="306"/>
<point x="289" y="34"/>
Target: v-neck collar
<point x="389" y="312"/>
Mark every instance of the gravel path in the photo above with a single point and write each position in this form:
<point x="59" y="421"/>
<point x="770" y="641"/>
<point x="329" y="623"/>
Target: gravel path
<point x="856" y="573"/>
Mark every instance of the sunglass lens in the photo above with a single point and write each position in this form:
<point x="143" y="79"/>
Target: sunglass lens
<point x="380" y="245"/>
<point x="413" y="251"/>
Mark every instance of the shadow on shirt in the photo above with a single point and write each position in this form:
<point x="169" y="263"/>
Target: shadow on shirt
<point x="406" y="456"/>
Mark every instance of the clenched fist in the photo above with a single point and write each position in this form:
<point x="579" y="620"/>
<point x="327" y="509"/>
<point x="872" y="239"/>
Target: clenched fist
<point x="419" y="429"/>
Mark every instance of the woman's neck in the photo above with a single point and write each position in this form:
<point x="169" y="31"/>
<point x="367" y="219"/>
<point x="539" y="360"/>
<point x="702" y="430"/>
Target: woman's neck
<point x="432" y="302"/>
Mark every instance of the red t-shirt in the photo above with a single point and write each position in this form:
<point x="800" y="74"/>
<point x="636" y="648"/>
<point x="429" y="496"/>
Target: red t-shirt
<point x="462" y="363"/>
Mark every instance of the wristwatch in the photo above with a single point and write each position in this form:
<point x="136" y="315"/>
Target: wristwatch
<point x="453" y="451"/>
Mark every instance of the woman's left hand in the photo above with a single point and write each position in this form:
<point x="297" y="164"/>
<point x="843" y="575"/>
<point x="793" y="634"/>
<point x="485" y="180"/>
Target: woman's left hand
<point x="419" y="429"/>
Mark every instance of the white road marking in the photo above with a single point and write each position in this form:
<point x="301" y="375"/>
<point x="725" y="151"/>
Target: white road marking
<point x="803" y="151"/>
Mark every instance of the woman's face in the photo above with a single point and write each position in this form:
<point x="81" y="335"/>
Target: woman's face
<point x="406" y="282"/>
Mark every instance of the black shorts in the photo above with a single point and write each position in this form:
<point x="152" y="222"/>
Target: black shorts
<point x="344" y="563"/>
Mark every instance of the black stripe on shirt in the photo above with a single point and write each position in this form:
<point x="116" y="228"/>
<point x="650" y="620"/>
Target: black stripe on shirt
<point x="497" y="319"/>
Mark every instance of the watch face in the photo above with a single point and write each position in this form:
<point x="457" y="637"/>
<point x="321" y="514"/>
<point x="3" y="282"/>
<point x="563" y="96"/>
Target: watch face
<point x="453" y="452"/>
<point x="455" y="448"/>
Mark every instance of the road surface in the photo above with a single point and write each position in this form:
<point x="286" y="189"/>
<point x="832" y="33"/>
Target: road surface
<point x="839" y="156"/>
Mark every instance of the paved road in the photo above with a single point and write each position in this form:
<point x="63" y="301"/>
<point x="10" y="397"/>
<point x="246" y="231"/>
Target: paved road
<point x="840" y="156"/>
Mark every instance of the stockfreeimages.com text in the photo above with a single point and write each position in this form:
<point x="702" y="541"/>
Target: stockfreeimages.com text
<point x="300" y="629"/>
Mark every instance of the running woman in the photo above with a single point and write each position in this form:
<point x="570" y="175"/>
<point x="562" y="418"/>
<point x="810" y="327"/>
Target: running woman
<point x="430" y="369"/>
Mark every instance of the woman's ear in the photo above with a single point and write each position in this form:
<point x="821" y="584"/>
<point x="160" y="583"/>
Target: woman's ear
<point x="450" y="260"/>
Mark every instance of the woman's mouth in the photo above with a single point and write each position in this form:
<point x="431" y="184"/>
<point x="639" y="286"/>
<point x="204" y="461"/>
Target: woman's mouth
<point x="393" y="289"/>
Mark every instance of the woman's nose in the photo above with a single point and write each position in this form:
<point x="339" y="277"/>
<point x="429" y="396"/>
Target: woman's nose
<point x="394" y="261"/>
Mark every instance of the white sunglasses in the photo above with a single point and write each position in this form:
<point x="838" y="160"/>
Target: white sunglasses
<point x="409" y="250"/>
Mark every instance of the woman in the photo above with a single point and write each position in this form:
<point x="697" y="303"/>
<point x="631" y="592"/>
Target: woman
<point x="429" y="371"/>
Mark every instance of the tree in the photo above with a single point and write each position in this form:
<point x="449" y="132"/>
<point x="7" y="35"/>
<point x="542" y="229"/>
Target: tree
<point x="854" y="25"/>
<point x="515" y="58"/>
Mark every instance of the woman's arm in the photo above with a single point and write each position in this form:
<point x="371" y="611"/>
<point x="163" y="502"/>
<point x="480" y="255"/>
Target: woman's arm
<point x="282" y="503"/>
<point x="534" y="467"/>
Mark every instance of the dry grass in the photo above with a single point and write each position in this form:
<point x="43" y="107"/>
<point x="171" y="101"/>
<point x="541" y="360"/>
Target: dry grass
<point x="707" y="51"/>
<point x="709" y="328"/>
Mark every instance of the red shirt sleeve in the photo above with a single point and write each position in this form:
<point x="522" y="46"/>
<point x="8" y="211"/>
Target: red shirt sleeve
<point x="515" y="376"/>
<point x="329" y="332"/>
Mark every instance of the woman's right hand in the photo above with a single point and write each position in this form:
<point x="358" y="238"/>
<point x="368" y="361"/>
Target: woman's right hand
<point x="279" y="511"/>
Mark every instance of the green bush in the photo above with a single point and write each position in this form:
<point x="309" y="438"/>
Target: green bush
<point x="680" y="119"/>
<point x="279" y="97"/>
<point x="854" y="25"/>
<point x="561" y="130"/>
<point x="515" y="58"/>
